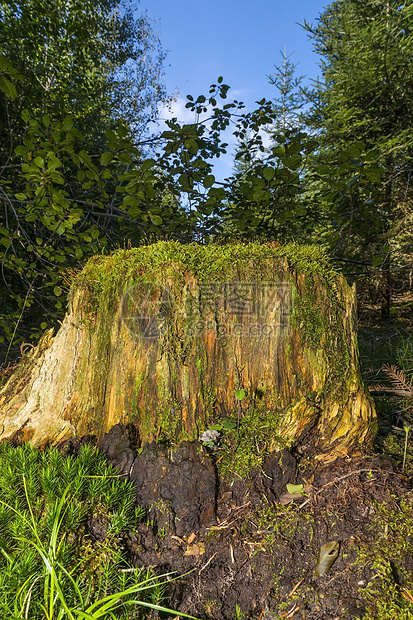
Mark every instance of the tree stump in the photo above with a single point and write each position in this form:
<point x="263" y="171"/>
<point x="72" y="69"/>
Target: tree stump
<point x="162" y="336"/>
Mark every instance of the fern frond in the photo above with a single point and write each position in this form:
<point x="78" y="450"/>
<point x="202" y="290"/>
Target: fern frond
<point x="398" y="379"/>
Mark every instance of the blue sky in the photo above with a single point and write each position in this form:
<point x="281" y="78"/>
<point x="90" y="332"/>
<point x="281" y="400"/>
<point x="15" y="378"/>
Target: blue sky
<point x="240" y="41"/>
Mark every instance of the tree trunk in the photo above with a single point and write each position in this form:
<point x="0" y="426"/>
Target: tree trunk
<point x="163" y="335"/>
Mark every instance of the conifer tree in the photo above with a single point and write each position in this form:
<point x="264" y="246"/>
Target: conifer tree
<point x="362" y="111"/>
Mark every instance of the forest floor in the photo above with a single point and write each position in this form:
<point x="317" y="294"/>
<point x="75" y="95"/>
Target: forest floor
<point x="258" y="559"/>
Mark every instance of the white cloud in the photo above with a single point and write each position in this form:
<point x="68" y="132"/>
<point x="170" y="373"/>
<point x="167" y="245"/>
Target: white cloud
<point x="223" y="166"/>
<point x="176" y="109"/>
<point x="266" y="138"/>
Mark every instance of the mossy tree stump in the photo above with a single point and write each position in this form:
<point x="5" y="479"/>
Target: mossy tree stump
<point x="161" y="336"/>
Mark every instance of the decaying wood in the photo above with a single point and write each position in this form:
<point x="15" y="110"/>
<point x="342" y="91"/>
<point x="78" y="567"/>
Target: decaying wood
<point x="168" y="357"/>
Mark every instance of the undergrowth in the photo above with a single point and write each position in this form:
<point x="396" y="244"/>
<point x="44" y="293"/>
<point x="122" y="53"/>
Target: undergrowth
<point x="386" y="356"/>
<point x="50" y="566"/>
<point x="389" y="553"/>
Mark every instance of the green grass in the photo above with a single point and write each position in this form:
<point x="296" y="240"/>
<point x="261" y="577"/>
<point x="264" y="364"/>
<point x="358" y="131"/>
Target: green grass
<point x="50" y="568"/>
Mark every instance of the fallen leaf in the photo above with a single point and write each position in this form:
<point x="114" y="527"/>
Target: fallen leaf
<point x="326" y="557"/>
<point x="295" y="488"/>
<point x="225" y="497"/>
<point x="192" y="550"/>
<point x="287" y="498"/>
<point x="195" y="550"/>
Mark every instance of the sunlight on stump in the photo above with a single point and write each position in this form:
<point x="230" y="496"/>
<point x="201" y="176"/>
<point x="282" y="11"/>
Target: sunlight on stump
<point x="161" y="336"/>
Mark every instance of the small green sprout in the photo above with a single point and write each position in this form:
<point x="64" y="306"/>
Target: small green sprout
<point x="240" y="394"/>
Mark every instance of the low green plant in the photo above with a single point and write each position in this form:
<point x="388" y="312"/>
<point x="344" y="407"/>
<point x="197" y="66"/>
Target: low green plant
<point x="249" y="442"/>
<point x="50" y="569"/>
<point x="239" y="395"/>
<point x="388" y="595"/>
<point x="238" y="613"/>
<point x="400" y="376"/>
<point x="224" y="425"/>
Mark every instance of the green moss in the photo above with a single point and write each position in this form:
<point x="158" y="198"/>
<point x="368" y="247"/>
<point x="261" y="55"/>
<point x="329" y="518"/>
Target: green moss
<point x="308" y="316"/>
<point x="281" y="523"/>
<point x="170" y="425"/>
<point x="104" y="275"/>
<point x="258" y="436"/>
<point x="321" y="325"/>
<point x="208" y="400"/>
<point x="390" y="554"/>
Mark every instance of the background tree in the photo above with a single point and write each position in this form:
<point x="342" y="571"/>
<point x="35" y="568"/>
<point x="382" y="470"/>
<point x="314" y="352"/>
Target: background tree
<point x="92" y="60"/>
<point x="289" y="100"/>
<point x="362" y="114"/>
<point x="70" y="72"/>
<point x="267" y="190"/>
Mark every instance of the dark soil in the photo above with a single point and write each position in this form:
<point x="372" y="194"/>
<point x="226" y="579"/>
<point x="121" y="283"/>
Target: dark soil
<point x="237" y="546"/>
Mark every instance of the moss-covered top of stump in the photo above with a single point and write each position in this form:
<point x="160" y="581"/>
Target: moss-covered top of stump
<point x="214" y="262"/>
<point x="106" y="277"/>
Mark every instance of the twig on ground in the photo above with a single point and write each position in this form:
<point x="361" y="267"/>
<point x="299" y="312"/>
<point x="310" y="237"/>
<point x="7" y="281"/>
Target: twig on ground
<point x="209" y="561"/>
<point x="352" y="473"/>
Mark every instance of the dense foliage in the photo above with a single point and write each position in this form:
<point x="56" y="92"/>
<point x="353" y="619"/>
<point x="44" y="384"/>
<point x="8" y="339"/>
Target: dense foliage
<point x="80" y="172"/>
<point x="69" y="73"/>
